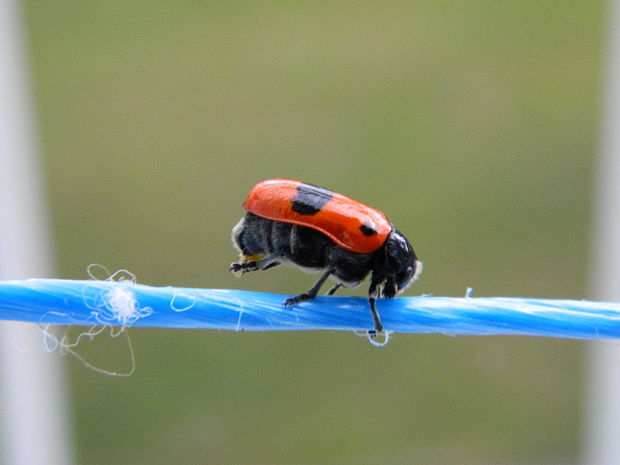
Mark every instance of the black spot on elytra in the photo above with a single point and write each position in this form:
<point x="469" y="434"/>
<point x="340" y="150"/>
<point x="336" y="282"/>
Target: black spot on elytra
<point x="368" y="229"/>
<point x="310" y="199"/>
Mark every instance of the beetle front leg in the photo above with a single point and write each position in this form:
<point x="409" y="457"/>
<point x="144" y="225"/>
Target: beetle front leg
<point x="372" y="299"/>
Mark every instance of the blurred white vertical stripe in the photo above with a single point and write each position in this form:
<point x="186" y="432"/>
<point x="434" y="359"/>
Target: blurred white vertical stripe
<point x="33" y="420"/>
<point x="602" y="400"/>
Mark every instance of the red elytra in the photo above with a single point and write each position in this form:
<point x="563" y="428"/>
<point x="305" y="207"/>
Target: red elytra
<point x="350" y="224"/>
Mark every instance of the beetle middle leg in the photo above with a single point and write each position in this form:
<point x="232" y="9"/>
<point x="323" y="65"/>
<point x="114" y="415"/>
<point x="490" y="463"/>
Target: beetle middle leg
<point x="334" y="288"/>
<point x="312" y="292"/>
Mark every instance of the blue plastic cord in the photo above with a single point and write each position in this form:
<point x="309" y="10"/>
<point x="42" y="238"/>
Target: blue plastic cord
<point x="51" y="301"/>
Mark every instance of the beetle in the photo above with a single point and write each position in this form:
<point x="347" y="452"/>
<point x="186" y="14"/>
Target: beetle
<point x="289" y="222"/>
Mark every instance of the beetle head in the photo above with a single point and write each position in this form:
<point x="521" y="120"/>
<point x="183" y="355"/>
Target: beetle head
<point x="402" y="268"/>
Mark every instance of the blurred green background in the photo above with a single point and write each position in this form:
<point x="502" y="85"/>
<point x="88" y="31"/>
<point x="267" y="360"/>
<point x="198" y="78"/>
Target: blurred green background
<point x="473" y="125"/>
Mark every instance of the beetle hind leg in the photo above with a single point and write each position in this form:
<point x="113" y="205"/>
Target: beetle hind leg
<point x="253" y="263"/>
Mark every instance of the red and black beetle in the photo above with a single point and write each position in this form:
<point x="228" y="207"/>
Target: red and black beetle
<point x="291" y="222"/>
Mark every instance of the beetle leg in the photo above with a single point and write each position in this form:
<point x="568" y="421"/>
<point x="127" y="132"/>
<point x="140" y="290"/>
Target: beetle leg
<point x="372" y="298"/>
<point x="334" y="289"/>
<point x="253" y="263"/>
<point x="312" y="292"/>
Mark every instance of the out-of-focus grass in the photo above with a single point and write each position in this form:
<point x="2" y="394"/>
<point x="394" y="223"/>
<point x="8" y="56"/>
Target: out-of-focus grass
<point x="472" y="125"/>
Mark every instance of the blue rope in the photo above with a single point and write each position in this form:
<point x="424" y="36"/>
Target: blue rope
<point x="123" y="303"/>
